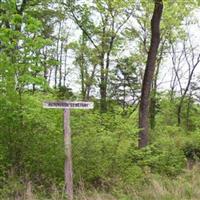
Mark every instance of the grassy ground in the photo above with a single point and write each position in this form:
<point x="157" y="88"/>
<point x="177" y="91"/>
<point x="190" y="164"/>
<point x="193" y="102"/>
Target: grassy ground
<point x="184" y="187"/>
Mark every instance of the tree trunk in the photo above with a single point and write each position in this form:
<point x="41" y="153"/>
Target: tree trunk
<point x="152" y="110"/>
<point x="188" y="111"/>
<point x="82" y="76"/>
<point x="103" y="84"/>
<point x="179" y="110"/>
<point x="103" y="88"/>
<point x="149" y="72"/>
<point x="45" y="71"/>
<point x="60" y="69"/>
<point x="65" y="70"/>
<point x="57" y="56"/>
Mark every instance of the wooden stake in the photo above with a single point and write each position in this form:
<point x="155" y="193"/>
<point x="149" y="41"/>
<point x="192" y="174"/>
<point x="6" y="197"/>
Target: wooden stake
<point x="68" y="172"/>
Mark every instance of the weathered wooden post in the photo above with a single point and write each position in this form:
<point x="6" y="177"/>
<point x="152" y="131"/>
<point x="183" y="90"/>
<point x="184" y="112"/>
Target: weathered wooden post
<point x="68" y="170"/>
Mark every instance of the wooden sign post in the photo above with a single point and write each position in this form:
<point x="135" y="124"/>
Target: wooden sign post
<point x="68" y="171"/>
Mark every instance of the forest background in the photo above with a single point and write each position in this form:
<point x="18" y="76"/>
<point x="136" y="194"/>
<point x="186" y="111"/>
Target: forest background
<point x="98" y="51"/>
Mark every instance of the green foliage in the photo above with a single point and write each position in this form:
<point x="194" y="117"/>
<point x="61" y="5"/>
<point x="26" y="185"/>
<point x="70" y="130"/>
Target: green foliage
<point x="105" y="152"/>
<point x="101" y="147"/>
<point x="191" y="146"/>
<point x="163" y="158"/>
<point x="101" y="143"/>
<point x="29" y="146"/>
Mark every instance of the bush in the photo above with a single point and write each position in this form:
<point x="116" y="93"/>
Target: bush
<point x="191" y="147"/>
<point x="101" y="146"/>
<point x="162" y="158"/>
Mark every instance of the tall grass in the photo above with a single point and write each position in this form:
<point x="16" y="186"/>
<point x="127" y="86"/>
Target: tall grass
<point x="156" y="187"/>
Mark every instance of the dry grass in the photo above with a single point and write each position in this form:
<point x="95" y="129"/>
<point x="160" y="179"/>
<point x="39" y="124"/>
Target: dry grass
<point x="184" y="187"/>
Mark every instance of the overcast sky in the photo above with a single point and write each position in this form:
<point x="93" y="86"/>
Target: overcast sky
<point x="165" y="73"/>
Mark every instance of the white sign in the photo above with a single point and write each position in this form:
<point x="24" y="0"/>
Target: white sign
<point x="69" y="105"/>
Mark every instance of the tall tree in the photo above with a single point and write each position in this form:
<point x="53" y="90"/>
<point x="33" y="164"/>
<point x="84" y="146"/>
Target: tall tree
<point x="125" y="82"/>
<point x="21" y="41"/>
<point x="102" y="23"/>
<point x="149" y="72"/>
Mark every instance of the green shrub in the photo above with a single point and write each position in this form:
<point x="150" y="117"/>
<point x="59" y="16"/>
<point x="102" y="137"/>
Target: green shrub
<point x="101" y="146"/>
<point x="160" y="158"/>
<point x="191" y="147"/>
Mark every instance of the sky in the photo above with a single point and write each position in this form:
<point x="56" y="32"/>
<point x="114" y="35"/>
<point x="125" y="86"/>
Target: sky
<point x="165" y="73"/>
